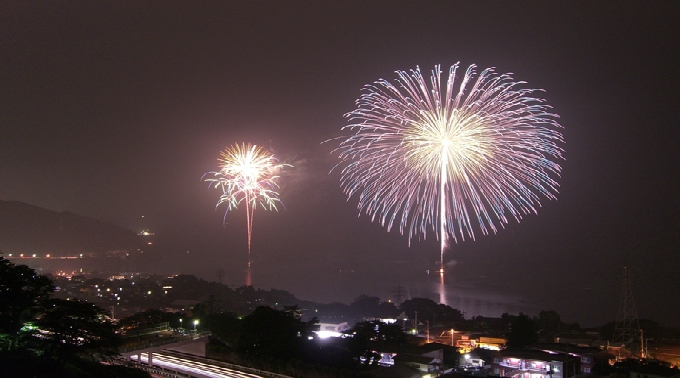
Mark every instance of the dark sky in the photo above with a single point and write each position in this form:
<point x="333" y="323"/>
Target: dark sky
<point x="115" y="109"/>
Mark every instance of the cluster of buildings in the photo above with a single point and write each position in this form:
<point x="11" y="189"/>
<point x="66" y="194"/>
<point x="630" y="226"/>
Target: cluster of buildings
<point x="465" y="354"/>
<point x="123" y="294"/>
<point x="546" y="361"/>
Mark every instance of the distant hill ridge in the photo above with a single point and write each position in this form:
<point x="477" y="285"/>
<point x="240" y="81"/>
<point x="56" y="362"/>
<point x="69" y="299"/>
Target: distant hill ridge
<point x="26" y="228"/>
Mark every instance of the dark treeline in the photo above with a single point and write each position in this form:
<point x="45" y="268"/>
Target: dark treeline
<point x="43" y="336"/>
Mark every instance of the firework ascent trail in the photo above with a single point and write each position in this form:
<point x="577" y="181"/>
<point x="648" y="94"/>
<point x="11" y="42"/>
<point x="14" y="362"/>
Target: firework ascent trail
<point x="426" y="156"/>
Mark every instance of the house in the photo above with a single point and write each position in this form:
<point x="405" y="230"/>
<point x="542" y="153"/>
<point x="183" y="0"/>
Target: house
<point x="653" y="371"/>
<point x="395" y="372"/>
<point x="587" y="356"/>
<point x="478" y="358"/>
<point x="493" y="343"/>
<point x="421" y="363"/>
<point x="530" y="364"/>
<point x="332" y="329"/>
<point x="406" y="360"/>
<point x="469" y="342"/>
<point x="518" y="364"/>
<point x="583" y="339"/>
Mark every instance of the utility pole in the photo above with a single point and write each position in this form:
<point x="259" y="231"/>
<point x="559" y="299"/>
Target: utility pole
<point x="416" y="323"/>
<point x="220" y="274"/>
<point x="427" y="330"/>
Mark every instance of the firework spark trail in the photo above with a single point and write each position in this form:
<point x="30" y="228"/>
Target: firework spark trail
<point x="422" y="156"/>
<point x="247" y="174"/>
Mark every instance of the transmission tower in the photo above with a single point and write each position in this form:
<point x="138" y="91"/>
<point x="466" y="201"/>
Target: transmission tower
<point x="627" y="324"/>
<point x="220" y="274"/>
<point x="399" y="295"/>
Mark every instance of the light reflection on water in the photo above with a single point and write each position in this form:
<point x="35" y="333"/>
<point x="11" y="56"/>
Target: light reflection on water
<point x="327" y="284"/>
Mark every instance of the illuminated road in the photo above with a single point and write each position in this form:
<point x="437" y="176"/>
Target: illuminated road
<point x="194" y="366"/>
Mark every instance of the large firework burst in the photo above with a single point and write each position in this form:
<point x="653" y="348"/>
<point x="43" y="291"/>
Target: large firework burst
<point x="248" y="173"/>
<point x="470" y="153"/>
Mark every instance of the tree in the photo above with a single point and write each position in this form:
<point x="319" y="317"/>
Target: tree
<point x="364" y="306"/>
<point x="522" y="332"/>
<point x="44" y="337"/>
<point x="549" y="321"/>
<point x="271" y="333"/>
<point x="425" y="308"/>
<point x="209" y="306"/>
<point x="387" y="310"/>
<point x="150" y="318"/>
<point x="507" y="320"/>
<point x="364" y="333"/>
<point x="22" y="294"/>
<point x="429" y="310"/>
<point x="69" y="329"/>
<point x="225" y="325"/>
<point x="448" y="314"/>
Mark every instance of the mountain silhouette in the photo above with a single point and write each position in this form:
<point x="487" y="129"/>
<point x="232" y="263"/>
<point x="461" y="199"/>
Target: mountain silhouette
<point x="26" y="228"/>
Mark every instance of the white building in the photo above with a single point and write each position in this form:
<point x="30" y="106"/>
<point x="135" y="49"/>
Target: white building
<point x="331" y="329"/>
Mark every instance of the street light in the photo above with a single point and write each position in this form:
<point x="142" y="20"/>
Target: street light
<point x="195" y="324"/>
<point x="180" y="322"/>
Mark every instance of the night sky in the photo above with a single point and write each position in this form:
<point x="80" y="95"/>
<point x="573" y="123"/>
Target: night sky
<point x="115" y="109"/>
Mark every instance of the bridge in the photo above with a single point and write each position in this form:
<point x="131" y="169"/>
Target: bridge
<point x="166" y="354"/>
<point x="153" y="339"/>
<point x="193" y="344"/>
